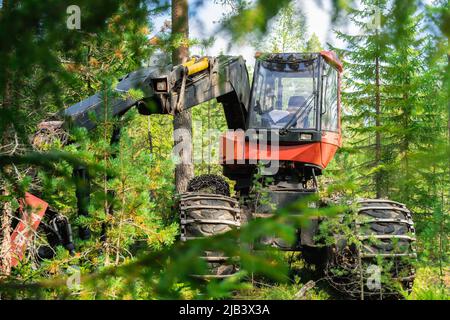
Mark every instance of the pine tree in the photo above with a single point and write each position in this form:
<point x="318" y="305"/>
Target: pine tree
<point x="404" y="125"/>
<point x="400" y="102"/>
<point x="364" y="57"/>
<point x="33" y="79"/>
<point x="395" y="110"/>
<point x="434" y="172"/>
<point x="62" y="74"/>
<point x="313" y="44"/>
<point x="287" y="33"/>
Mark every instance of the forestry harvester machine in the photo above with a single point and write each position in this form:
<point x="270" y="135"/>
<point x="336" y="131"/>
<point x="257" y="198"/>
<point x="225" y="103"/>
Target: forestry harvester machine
<point x="294" y="102"/>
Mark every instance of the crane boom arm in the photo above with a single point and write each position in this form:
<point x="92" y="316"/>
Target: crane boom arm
<point x="162" y="90"/>
<point x="171" y="90"/>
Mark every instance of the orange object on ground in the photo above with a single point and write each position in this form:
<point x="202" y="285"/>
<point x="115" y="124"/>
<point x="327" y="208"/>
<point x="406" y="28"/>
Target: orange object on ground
<point x="32" y="209"/>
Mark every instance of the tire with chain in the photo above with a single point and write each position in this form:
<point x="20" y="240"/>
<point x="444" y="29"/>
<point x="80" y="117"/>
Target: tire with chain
<point x="382" y="258"/>
<point x="209" y="183"/>
<point x="208" y="214"/>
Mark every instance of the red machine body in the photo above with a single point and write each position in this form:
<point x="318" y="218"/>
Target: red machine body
<point x="319" y="152"/>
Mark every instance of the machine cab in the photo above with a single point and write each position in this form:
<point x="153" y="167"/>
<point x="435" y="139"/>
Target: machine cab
<point x="296" y="93"/>
<point x="295" y="97"/>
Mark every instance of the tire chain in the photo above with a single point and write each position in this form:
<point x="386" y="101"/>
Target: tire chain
<point x="385" y="230"/>
<point x="204" y="215"/>
<point x="209" y="183"/>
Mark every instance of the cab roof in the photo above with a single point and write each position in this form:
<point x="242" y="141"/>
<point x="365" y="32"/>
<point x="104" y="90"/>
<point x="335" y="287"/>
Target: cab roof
<point x="329" y="56"/>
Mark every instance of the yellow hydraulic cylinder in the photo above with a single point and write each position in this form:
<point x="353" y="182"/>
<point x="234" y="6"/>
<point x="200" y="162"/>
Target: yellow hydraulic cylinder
<point x="201" y="65"/>
<point x="190" y="62"/>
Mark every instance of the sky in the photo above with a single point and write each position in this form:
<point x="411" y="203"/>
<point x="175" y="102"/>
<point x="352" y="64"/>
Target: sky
<point x="203" y="24"/>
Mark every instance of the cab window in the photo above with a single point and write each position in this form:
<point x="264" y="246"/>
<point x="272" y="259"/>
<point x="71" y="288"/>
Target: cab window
<point x="330" y="99"/>
<point x="284" y="97"/>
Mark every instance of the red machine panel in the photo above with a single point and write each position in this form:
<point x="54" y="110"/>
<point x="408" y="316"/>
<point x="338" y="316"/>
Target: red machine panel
<point x="32" y="209"/>
<point x="235" y="149"/>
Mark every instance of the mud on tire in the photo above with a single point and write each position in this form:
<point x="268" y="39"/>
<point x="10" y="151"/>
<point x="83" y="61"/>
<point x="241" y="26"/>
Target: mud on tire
<point x="383" y="257"/>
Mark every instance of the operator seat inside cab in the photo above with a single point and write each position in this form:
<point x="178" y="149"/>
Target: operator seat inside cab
<point x="278" y="118"/>
<point x="295" y="103"/>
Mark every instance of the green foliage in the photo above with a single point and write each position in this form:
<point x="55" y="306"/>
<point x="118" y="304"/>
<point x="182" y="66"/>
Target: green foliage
<point x="288" y="32"/>
<point x="363" y="57"/>
<point x="279" y="292"/>
<point x="132" y="186"/>
<point x="395" y="107"/>
<point x="259" y="195"/>
<point x="395" y="119"/>
<point x="252" y="19"/>
<point x="164" y="275"/>
<point x="209" y="124"/>
<point x="133" y="253"/>
<point x="429" y="286"/>
<point x="313" y="44"/>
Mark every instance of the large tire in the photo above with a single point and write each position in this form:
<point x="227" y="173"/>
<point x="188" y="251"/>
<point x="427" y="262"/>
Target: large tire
<point x="205" y="215"/>
<point x="209" y="183"/>
<point x="382" y="257"/>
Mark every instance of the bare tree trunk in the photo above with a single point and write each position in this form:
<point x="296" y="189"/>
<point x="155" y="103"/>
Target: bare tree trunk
<point x="405" y="151"/>
<point x="448" y="104"/>
<point x="180" y="25"/>
<point x="6" y="92"/>
<point x="378" y="174"/>
<point x="5" y="207"/>
<point x="6" y="210"/>
<point x="5" y="247"/>
<point x="447" y="81"/>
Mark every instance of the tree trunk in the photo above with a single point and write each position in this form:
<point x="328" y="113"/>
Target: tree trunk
<point x="5" y="247"/>
<point x="447" y="80"/>
<point x="405" y="146"/>
<point x="180" y="25"/>
<point x="378" y="174"/>
<point x="6" y="91"/>
<point x="5" y="207"/>
<point x="448" y="104"/>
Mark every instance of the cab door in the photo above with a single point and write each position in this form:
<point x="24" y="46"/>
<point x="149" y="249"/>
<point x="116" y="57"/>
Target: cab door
<point x="330" y="114"/>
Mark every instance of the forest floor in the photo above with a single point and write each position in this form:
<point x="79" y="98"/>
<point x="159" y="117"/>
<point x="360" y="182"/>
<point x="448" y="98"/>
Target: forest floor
<point x="306" y="284"/>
